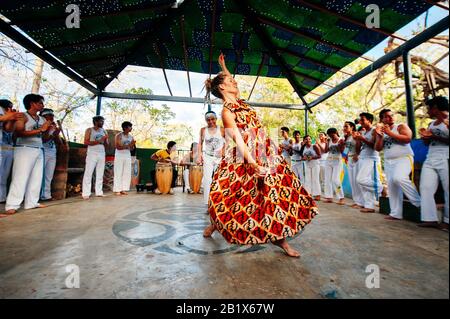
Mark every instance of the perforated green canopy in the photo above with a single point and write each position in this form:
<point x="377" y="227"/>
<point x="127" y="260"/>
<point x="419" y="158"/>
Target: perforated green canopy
<point x="304" y="41"/>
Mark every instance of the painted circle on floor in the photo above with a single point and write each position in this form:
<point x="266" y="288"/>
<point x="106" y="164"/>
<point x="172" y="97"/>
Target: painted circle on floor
<point x="174" y="230"/>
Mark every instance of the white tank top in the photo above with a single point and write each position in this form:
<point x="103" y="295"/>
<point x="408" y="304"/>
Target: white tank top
<point x="50" y="146"/>
<point x="2" y="112"/>
<point x="309" y="151"/>
<point x="96" y="136"/>
<point x="31" y="125"/>
<point x="284" y="152"/>
<point x="368" y="152"/>
<point x="126" y="140"/>
<point x="296" y="154"/>
<point x="334" y="152"/>
<point x="213" y="143"/>
<point x="395" y="149"/>
<point x="350" y="146"/>
<point x="438" y="148"/>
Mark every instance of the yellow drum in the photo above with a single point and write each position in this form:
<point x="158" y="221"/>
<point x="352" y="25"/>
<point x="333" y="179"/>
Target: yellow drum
<point x="195" y="178"/>
<point x="164" y="177"/>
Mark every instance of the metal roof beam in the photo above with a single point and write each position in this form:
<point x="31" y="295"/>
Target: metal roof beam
<point x="299" y="33"/>
<point x="186" y="99"/>
<point x="25" y="42"/>
<point x="88" y="15"/>
<point x="265" y="39"/>
<point x="349" y="20"/>
<point x="319" y="63"/>
<point x="186" y="60"/>
<point x="422" y="37"/>
<point x="142" y="44"/>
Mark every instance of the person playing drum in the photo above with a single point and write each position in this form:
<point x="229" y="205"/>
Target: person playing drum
<point x="168" y="156"/>
<point x="188" y="160"/>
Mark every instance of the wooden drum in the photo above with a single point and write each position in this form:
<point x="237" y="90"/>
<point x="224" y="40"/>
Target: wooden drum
<point x="164" y="177"/>
<point x="195" y="178"/>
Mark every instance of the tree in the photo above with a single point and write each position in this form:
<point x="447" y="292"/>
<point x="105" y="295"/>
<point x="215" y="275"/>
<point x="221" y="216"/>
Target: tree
<point x="149" y="122"/>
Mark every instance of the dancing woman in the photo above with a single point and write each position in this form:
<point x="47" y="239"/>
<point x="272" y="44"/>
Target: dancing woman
<point x="255" y="198"/>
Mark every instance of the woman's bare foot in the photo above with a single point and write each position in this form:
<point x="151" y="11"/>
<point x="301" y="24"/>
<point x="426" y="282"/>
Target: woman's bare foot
<point x="283" y="244"/>
<point x="209" y="231"/>
<point x="123" y="193"/>
<point x="328" y="200"/>
<point x="367" y="210"/>
<point x="117" y="193"/>
<point x="341" y="202"/>
<point x="317" y="198"/>
<point x="8" y="213"/>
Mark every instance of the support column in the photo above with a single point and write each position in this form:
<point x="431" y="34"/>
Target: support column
<point x="209" y="107"/>
<point x="99" y="104"/>
<point x="306" y="121"/>
<point x="407" y="73"/>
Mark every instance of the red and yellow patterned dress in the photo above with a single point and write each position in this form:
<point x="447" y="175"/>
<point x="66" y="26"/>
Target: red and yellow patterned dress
<point x="246" y="208"/>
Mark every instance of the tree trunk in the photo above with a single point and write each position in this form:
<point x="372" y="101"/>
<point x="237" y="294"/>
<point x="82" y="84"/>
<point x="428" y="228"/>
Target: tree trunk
<point x="39" y="67"/>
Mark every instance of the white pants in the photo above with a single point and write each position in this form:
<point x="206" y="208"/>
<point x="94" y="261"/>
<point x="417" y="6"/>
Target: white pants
<point x="209" y="166"/>
<point x="333" y="184"/>
<point x="49" y="171"/>
<point x="186" y="178"/>
<point x="26" y="182"/>
<point x="6" y="161"/>
<point x="94" y="161"/>
<point x="356" y="189"/>
<point x="369" y="180"/>
<point x="298" y="167"/>
<point x="433" y="170"/>
<point x="397" y="174"/>
<point x="122" y="172"/>
<point x="312" y="178"/>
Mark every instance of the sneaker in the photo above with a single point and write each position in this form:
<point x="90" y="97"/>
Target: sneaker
<point x="157" y="192"/>
<point x="171" y="192"/>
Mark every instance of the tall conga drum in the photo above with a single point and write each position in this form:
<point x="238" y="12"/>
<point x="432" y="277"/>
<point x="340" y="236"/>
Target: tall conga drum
<point x="195" y="178"/>
<point x="164" y="177"/>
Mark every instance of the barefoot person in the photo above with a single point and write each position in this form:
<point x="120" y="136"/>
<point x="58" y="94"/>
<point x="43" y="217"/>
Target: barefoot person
<point x="188" y="160"/>
<point x="255" y="197"/>
<point x="435" y="167"/>
<point x="333" y="168"/>
<point x="210" y="150"/>
<point x="7" y="118"/>
<point x="311" y="155"/>
<point x="322" y="143"/>
<point x="286" y="145"/>
<point x="28" y="167"/>
<point x="398" y="162"/>
<point x="369" y="167"/>
<point x="96" y="139"/>
<point x="50" y="139"/>
<point x="298" y="165"/>
<point x="124" y="143"/>
<point x="352" y="163"/>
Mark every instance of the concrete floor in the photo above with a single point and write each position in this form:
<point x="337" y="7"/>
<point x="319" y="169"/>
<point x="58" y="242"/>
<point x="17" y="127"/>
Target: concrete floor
<point x="151" y="246"/>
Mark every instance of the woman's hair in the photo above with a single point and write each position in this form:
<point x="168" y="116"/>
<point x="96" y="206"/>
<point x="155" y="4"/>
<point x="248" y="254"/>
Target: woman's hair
<point x="5" y="104"/>
<point x="170" y="144"/>
<point x="126" y="124"/>
<point x="332" y="130"/>
<point x="440" y="102"/>
<point x="212" y="85"/>
<point x="296" y="132"/>
<point x="352" y="125"/>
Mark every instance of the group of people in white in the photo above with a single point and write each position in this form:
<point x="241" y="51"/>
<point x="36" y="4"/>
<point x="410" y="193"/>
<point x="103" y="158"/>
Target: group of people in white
<point x="29" y="140"/>
<point x="320" y="166"/>
<point x="29" y="152"/>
